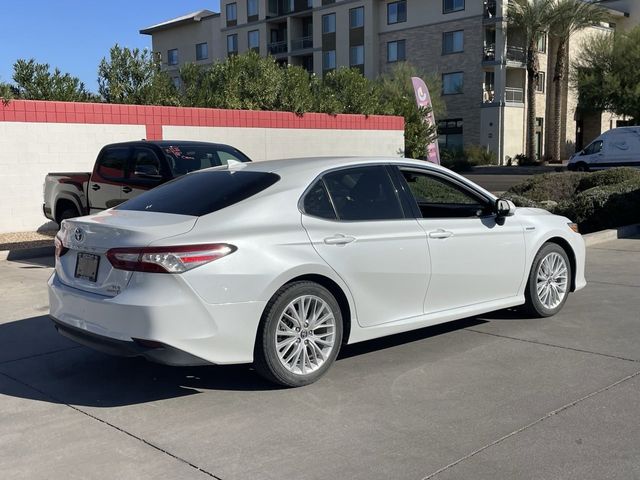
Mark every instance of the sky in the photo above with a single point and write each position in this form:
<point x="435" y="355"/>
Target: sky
<point x="74" y="35"/>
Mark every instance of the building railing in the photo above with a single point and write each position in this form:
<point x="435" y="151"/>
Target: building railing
<point x="489" y="52"/>
<point x="516" y="54"/>
<point x="514" y="95"/>
<point x="302" y="43"/>
<point x="277" y="47"/>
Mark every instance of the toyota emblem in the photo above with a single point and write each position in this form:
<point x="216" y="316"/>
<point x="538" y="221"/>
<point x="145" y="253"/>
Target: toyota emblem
<point x="78" y="234"/>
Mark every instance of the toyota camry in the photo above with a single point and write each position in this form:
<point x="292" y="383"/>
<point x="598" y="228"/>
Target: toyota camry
<point x="280" y="263"/>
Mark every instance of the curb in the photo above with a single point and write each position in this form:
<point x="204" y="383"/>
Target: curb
<point x="25" y="253"/>
<point x="602" y="236"/>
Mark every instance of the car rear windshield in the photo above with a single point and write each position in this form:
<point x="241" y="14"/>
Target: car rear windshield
<point x="201" y="193"/>
<point x="185" y="158"/>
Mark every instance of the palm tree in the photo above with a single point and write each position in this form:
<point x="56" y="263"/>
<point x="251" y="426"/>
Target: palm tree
<point x="569" y="17"/>
<point x="532" y="18"/>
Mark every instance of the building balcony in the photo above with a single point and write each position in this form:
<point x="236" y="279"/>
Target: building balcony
<point x="276" y="48"/>
<point x="514" y="95"/>
<point x="490" y="9"/>
<point x="489" y="53"/>
<point x="516" y="54"/>
<point x="301" y="43"/>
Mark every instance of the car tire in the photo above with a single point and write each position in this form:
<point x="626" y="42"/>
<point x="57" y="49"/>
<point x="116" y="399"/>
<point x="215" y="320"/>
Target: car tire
<point x="68" y="212"/>
<point x="297" y="325"/>
<point x="549" y="281"/>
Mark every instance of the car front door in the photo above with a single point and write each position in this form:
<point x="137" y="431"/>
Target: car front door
<point x="475" y="256"/>
<point x="105" y="184"/>
<point x="356" y="223"/>
<point x="144" y="172"/>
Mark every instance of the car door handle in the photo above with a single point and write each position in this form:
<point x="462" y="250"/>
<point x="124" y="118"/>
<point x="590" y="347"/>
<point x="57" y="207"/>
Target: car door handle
<point x="95" y="187"/>
<point x="440" y="233"/>
<point x="126" y="189"/>
<point x="339" y="239"/>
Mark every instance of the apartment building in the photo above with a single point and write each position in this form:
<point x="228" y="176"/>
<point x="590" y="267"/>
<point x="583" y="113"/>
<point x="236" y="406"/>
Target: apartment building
<point x="465" y="42"/>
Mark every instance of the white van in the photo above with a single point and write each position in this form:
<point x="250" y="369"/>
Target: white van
<point x="618" y="147"/>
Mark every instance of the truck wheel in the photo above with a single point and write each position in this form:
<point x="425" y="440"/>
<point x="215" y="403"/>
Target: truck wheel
<point x="67" y="212"/>
<point x="582" y="167"/>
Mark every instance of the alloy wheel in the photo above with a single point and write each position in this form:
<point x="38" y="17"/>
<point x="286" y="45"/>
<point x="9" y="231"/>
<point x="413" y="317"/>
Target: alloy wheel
<point x="552" y="280"/>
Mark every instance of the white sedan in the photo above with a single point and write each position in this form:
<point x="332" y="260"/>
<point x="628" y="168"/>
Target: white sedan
<point x="279" y="263"/>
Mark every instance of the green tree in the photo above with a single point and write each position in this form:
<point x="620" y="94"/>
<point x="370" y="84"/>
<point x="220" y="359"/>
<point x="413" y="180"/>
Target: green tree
<point x="134" y="76"/>
<point x="569" y="17"/>
<point x="35" y="81"/>
<point x="607" y="76"/>
<point x="296" y="90"/>
<point x="396" y="97"/>
<point x="6" y="93"/>
<point x="346" y="90"/>
<point x="532" y="18"/>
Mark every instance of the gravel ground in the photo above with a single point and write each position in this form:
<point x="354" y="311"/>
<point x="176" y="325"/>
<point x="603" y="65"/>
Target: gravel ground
<point x="20" y="240"/>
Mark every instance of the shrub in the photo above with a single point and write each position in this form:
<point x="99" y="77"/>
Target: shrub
<point x="608" y="177"/>
<point x="549" y="186"/>
<point x="464" y="160"/>
<point x="478" y="155"/>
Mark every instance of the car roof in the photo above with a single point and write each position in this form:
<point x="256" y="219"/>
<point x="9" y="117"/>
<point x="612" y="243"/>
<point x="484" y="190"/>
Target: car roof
<point x="318" y="165"/>
<point x="167" y="143"/>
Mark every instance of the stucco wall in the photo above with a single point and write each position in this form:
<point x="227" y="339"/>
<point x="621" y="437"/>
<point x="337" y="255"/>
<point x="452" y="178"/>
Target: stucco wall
<point x="41" y="137"/>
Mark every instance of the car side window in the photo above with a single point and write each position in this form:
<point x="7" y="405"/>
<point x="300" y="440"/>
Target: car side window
<point x="112" y="163"/>
<point x="363" y="193"/>
<point x="144" y="164"/>
<point x="225" y="157"/>
<point x="317" y="203"/>
<point x="438" y="197"/>
<point x="594" y="147"/>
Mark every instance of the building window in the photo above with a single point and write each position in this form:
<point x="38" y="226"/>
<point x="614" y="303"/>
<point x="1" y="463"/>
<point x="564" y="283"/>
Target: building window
<point x="356" y="17"/>
<point x="172" y="57"/>
<point x="329" y="23"/>
<point x="252" y="8"/>
<point x="356" y="56"/>
<point x="396" y="12"/>
<point x="450" y="135"/>
<point x="254" y="40"/>
<point x="453" y="42"/>
<point x="202" y="51"/>
<point x="540" y="82"/>
<point x="329" y="60"/>
<point x="232" y="14"/>
<point x="542" y="43"/>
<point x="396" y="51"/>
<point x="449" y="6"/>
<point x="232" y="44"/>
<point x="452" y="83"/>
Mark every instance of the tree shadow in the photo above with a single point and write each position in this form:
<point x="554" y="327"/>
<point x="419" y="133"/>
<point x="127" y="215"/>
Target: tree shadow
<point x="39" y="364"/>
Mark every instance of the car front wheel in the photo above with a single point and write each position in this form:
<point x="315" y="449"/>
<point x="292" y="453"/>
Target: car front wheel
<point x="299" y="336"/>
<point x="549" y="281"/>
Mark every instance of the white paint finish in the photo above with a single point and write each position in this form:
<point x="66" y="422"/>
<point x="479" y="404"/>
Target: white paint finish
<point x="274" y="143"/>
<point x="28" y="151"/>
<point x="514" y="125"/>
<point x="220" y="304"/>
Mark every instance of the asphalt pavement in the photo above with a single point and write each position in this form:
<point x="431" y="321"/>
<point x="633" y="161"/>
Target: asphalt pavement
<point x="492" y="397"/>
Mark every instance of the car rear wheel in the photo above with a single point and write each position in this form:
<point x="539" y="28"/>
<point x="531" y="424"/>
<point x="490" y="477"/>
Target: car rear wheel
<point x="549" y="281"/>
<point x="299" y="336"/>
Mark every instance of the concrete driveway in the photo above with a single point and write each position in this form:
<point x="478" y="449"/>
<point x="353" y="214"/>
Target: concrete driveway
<point x="485" y="398"/>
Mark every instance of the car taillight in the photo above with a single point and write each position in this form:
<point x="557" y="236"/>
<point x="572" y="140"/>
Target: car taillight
<point x="60" y="249"/>
<point x="176" y="259"/>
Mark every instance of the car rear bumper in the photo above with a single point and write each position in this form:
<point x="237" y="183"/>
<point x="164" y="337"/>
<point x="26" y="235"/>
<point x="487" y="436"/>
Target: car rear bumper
<point x="161" y="319"/>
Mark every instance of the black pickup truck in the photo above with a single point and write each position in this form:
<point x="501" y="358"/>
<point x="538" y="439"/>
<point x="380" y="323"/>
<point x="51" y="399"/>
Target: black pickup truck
<point x="124" y="170"/>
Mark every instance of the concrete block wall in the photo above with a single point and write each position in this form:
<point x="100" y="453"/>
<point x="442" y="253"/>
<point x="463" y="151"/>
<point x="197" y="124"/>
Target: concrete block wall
<point x="39" y="137"/>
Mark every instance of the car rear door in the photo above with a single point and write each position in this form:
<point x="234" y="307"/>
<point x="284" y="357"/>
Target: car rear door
<point x="106" y="182"/>
<point x="357" y="224"/>
<point x="475" y="257"/>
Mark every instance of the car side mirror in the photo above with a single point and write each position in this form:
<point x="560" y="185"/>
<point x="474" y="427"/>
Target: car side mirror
<point x="504" y="207"/>
<point x="147" y="171"/>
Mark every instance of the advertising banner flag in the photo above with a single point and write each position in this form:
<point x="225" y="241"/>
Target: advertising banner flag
<point x="424" y="100"/>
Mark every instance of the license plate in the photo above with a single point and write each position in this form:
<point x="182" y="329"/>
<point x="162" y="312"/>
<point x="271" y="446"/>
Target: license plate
<point x="87" y="266"/>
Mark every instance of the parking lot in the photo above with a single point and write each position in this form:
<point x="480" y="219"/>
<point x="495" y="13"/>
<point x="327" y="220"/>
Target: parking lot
<point x="497" y="396"/>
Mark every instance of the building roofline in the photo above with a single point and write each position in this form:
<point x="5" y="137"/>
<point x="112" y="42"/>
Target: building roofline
<point x="178" y="21"/>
